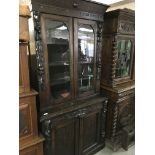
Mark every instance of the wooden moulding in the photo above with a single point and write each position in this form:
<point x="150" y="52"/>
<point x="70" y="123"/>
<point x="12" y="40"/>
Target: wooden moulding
<point x="24" y="14"/>
<point x="24" y="10"/>
<point x="23" y="29"/>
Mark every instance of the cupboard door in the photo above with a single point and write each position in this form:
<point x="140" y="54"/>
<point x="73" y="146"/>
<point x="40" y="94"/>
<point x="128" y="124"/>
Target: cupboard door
<point x="63" y="139"/>
<point x="85" y="56"/>
<point x="57" y="44"/>
<point x="90" y="132"/>
<point x="27" y="119"/>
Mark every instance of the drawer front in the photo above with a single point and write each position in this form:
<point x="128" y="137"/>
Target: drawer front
<point x="33" y="150"/>
<point x="27" y="119"/>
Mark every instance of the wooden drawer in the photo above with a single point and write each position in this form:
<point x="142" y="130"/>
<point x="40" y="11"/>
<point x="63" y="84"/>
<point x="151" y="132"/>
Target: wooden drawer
<point x="27" y="118"/>
<point x="34" y="147"/>
<point x="24" y="84"/>
<point x="23" y="28"/>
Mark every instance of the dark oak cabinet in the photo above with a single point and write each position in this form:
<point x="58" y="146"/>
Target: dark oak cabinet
<point x="117" y="78"/>
<point x="65" y="69"/>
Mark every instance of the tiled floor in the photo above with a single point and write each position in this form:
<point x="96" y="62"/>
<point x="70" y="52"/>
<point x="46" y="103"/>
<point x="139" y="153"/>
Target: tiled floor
<point x="107" y="151"/>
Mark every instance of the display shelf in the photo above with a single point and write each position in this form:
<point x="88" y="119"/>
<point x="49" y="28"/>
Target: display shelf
<point x="59" y="63"/>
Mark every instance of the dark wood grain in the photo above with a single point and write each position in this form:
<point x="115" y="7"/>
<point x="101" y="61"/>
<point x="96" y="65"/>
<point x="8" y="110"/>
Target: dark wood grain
<point x="24" y="84"/>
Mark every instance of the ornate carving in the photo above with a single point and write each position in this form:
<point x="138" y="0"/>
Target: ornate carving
<point x="46" y="129"/>
<point x="39" y="50"/>
<point x="104" y="119"/>
<point x="114" y="123"/>
<point x="114" y="58"/>
<point x="99" y="45"/>
<point x="125" y="27"/>
<point x="91" y="15"/>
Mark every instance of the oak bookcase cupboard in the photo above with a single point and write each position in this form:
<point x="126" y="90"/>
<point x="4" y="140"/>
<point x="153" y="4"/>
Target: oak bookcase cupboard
<point x="65" y="70"/>
<point x="30" y="142"/>
<point x="117" y="77"/>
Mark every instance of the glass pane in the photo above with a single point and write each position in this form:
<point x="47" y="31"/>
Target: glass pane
<point x="57" y="35"/>
<point x="85" y="58"/>
<point x="123" y="58"/>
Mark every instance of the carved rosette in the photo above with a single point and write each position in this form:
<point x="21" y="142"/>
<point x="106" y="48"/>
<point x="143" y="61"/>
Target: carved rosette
<point x="46" y="130"/>
<point x="104" y="119"/>
<point x="114" y="58"/>
<point x="39" y="50"/>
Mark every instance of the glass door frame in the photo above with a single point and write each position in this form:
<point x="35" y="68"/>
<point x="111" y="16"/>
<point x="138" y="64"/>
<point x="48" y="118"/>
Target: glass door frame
<point x="68" y="22"/>
<point x="131" y="72"/>
<point x="93" y="24"/>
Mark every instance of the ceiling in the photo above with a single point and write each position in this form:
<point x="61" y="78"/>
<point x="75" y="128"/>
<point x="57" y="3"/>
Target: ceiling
<point x="107" y="1"/>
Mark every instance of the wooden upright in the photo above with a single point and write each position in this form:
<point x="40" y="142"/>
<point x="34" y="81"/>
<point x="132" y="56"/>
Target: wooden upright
<point x="30" y="142"/>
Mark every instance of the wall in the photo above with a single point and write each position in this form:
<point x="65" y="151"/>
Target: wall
<point x="130" y="4"/>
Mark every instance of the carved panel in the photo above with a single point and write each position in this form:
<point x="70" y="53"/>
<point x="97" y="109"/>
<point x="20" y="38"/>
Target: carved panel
<point x="27" y="118"/>
<point x="24" y="121"/>
<point x="126" y="27"/>
<point x="99" y="50"/>
<point x="104" y="111"/>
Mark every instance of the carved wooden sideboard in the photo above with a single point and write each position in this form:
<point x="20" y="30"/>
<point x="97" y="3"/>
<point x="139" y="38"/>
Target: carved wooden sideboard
<point x="117" y="77"/>
<point x="30" y="142"/>
<point x="65" y="70"/>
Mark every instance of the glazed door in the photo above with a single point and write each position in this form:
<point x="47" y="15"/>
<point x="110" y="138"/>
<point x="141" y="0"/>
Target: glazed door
<point x="85" y="57"/>
<point x="124" y="59"/>
<point x="58" y="54"/>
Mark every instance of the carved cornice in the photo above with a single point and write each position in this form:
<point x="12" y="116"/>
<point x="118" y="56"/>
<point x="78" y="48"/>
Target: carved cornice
<point x="39" y="50"/>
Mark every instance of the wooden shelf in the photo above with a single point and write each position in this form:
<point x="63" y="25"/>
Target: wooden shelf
<point x="85" y="62"/>
<point x="60" y="81"/>
<point x="61" y="63"/>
